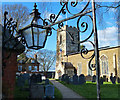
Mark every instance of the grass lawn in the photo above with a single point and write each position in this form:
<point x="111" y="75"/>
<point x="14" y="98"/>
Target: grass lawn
<point x="21" y="94"/>
<point x="88" y="90"/>
<point x="58" y="95"/>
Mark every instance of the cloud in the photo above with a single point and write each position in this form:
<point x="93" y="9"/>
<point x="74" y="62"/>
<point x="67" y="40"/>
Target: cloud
<point x="47" y="15"/>
<point x="108" y="36"/>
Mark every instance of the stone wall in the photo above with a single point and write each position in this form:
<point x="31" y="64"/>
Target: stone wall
<point x="109" y="53"/>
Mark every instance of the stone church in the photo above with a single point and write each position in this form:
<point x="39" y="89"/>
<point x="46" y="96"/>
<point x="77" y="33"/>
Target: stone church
<point x="69" y="60"/>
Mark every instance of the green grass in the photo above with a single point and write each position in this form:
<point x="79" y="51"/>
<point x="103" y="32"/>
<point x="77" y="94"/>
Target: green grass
<point x="21" y="94"/>
<point x="88" y="90"/>
<point x="58" y="95"/>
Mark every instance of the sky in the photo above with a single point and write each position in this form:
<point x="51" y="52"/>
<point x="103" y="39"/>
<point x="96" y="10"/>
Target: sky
<point x="107" y="28"/>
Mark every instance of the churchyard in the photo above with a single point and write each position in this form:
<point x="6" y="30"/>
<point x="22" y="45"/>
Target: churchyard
<point x="29" y="87"/>
<point x="34" y="87"/>
<point x="86" y="86"/>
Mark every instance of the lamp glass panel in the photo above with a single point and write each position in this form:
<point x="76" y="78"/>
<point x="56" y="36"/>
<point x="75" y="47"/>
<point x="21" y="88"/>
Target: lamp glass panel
<point x="28" y="36"/>
<point x="39" y="36"/>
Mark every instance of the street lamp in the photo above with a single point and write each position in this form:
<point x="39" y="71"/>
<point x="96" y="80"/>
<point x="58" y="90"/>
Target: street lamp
<point x="34" y="34"/>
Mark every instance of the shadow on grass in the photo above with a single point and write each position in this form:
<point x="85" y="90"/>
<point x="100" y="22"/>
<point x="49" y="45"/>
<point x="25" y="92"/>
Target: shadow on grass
<point x="89" y="90"/>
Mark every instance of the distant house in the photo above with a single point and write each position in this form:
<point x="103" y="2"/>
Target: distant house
<point x="29" y="65"/>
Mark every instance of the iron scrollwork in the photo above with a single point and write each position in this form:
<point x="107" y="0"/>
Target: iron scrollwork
<point x="53" y="18"/>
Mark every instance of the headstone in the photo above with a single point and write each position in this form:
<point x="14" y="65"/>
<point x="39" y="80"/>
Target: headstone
<point x="49" y="91"/>
<point x="60" y="78"/>
<point x="71" y="80"/>
<point x="82" y="79"/>
<point x="66" y="79"/>
<point x="26" y="76"/>
<point x="75" y="79"/>
<point x="94" y="78"/>
<point x="88" y="78"/>
<point x="118" y="80"/>
<point x="36" y="91"/>
<point x="101" y="80"/>
<point x="20" y="81"/>
<point x="104" y="78"/>
<point x="63" y="77"/>
<point x="113" y="79"/>
<point x="46" y="81"/>
<point x="39" y="78"/>
<point x="33" y="79"/>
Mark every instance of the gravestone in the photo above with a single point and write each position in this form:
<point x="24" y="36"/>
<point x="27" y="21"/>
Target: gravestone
<point x="33" y="79"/>
<point x="49" y="91"/>
<point x="71" y="80"/>
<point x="118" y="80"/>
<point x="46" y="81"/>
<point x="60" y="78"/>
<point x="104" y="78"/>
<point x="39" y="78"/>
<point x="20" y="81"/>
<point x="75" y="79"/>
<point x="25" y="76"/>
<point x="82" y="79"/>
<point x="113" y="79"/>
<point x="88" y="78"/>
<point x="66" y="79"/>
<point x="94" y="78"/>
<point x="101" y="80"/>
<point x="63" y="77"/>
<point x="37" y="91"/>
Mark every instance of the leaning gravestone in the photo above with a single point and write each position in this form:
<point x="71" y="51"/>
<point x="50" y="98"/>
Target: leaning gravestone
<point x="49" y="91"/>
<point x="46" y="81"/>
<point x="82" y="79"/>
<point x="94" y="78"/>
<point x="37" y="91"/>
<point x="75" y="79"/>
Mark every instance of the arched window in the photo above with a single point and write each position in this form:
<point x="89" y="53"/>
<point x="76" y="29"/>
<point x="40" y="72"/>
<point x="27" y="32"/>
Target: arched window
<point x="104" y="64"/>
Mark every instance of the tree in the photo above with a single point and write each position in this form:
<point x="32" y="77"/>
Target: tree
<point x="46" y="59"/>
<point x="18" y="12"/>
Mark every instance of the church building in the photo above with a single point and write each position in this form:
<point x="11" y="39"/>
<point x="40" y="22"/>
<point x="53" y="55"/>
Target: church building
<point x="69" y="60"/>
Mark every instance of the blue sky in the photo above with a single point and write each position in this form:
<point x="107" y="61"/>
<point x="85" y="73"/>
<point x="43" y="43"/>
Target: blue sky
<point x="106" y="24"/>
<point x="107" y="28"/>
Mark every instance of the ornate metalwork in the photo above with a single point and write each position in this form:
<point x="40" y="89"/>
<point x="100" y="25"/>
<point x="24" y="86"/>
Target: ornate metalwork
<point x="52" y="21"/>
<point x="49" y="23"/>
<point x="84" y="12"/>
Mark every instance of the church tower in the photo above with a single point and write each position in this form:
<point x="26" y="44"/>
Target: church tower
<point x="65" y="46"/>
